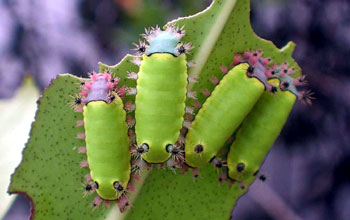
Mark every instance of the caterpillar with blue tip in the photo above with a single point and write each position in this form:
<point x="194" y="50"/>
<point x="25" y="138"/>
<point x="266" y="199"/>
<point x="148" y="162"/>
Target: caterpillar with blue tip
<point x="160" y="95"/>
<point x="106" y="137"/>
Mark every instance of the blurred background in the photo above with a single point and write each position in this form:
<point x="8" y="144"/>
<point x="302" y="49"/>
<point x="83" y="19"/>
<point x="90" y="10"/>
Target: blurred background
<point x="308" y="169"/>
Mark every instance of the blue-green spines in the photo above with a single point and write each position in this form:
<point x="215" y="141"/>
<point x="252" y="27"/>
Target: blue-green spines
<point x="159" y="41"/>
<point x="163" y="42"/>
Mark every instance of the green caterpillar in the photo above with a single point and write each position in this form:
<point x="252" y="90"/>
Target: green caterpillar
<point x="161" y="93"/>
<point x="258" y="133"/>
<point x="107" y="142"/>
<point x="264" y="123"/>
<point x="222" y="113"/>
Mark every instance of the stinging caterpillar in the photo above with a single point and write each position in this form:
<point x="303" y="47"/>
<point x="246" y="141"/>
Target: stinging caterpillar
<point x="222" y="113"/>
<point x="106" y="137"/>
<point x="264" y="123"/>
<point x="161" y="93"/>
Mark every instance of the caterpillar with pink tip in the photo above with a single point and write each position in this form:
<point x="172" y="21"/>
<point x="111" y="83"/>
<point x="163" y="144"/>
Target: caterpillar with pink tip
<point x="106" y="137"/>
<point x="264" y="123"/>
<point x="247" y="99"/>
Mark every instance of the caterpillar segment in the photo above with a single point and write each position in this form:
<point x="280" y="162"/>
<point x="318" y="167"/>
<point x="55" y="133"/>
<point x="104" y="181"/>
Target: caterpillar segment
<point x="264" y="123"/>
<point x="106" y="137"/>
<point x="222" y="112"/>
<point x="161" y="93"/>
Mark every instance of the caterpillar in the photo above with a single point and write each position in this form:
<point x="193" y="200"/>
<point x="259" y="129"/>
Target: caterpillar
<point x="222" y="113"/>
<point x="106" y="137"/>
<point x="160" y="94"/>
<point x="264" y="123"/>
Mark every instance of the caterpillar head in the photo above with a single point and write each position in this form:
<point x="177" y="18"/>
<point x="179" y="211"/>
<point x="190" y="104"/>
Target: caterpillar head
<point x="262" y="69"/>
<point x="101" y="87"/>
<point x="163" y="41"/>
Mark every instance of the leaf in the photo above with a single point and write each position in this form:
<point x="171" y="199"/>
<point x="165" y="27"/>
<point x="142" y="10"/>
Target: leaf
<point x="49" y="172"/>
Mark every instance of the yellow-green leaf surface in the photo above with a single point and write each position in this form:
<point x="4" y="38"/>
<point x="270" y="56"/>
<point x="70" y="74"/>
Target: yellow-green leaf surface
<point x="49" y="172"/>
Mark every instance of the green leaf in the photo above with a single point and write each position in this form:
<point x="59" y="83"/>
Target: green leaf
<point x="50" y="173"/>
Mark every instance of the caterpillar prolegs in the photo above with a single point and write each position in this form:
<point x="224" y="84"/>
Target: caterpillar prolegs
<point x="106" y="137"/>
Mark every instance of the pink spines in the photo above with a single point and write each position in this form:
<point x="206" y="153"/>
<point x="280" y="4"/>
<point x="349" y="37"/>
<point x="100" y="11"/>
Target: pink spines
<point x="79" y="123"/>
<point x="96" y="202"/>
<point x="181" y="140"/>
<point x="206" y="92"/>
<point x="192" y="79"/>
<point x="284" y="65"/>
<point x="195" y="173"/>
<point x="269" y="73"/>
<point x="130" y="91"/>
<point x="135" y="177"/>
<point x="83" y="93"/>
<point x="178" y="32"/>
<point x="214" y="80"/>
<point x="87" y="86"/>
<point x="129" y="106"/>
<point x="246" y="55"/>
<point x="84" y="164"/>
<point x="136" y="61"/>
<point x="132" y="75"/>
<point x="197" y="105"/>
<point x="191" y="64"/>
<point x="236" y="59"/>
<point x="253" y="59"/>
<point x="223" y="69"/>
<point x="82" y="150"/>
<point x="130" y="121"/>
<point x="189" y="117"/>
<point x="130" y="188"/>
<point x="122" y="91"/>
<point x="187" y="124"/>
<point x="88" y="178"/>
<point x="189" y="110"/>
<point x="81" y="136"/>
<point x="132" y="136"/>
<point x="265" y="61"/>
<point x="94" y="77"/>
<point x="300" y="81"/>
<point x="110" y="86"/>
<point x="192" y="95"/>
<point x="306" y="96"/>
<point x="140" y="48"/>
<point x="123" y="203"/>
<point x="183" y="131"/>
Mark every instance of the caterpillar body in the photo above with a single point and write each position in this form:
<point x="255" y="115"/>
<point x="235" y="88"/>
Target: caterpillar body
<point x="264" y="123"/>
<point x="258" y="133"/>
<point x="161" y="94"/>
<point x="222" y="113"/>
<point x="106" y="137"/>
